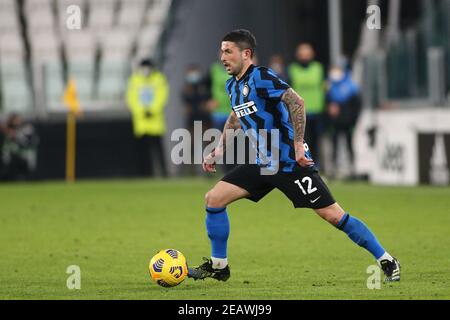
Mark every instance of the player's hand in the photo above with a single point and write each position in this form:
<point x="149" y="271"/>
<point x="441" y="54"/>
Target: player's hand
<point x="209" y="163"/>
<point x="300" y="157"/>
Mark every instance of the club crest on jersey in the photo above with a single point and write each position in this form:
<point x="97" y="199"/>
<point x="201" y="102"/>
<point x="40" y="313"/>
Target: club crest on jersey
<point x="245" y="109"/>
<point x="245" y="90"/>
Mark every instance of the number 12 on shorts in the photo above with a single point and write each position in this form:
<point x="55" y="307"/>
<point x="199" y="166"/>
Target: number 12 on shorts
<point x="309" y="188"/>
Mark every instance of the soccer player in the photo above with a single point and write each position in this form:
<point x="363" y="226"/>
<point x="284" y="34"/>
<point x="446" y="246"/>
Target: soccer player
<point x="261" y="100"/>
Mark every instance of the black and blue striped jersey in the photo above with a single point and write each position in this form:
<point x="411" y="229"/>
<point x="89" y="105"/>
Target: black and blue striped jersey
<point x="256" y="100"/>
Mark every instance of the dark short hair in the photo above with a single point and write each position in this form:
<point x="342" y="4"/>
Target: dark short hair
<point x="244" y="39"/>
<point x="147" y="63"/>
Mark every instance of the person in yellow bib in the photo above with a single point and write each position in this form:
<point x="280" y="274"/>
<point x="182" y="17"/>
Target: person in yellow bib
<point x="307" y="76"/>
<point x="219" y="78"/>
<point x="147" y="95"/>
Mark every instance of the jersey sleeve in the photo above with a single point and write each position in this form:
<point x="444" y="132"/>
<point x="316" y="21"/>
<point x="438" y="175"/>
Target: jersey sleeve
<point x="268" y="84"/>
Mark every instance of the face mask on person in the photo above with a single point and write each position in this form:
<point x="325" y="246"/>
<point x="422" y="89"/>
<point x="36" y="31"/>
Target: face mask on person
<point x="193" y="77"/>
<point x="304" y="63"/>
<point x="336" y="75"/>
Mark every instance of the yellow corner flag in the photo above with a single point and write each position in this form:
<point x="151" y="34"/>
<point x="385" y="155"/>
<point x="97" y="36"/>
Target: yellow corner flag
<point x="71" y="98"/>
<point x="71" y="101"/>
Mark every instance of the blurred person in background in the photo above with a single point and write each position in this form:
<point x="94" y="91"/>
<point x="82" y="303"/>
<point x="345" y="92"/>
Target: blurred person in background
<point x="147" y="95"/>
<point x="18" y="149"/>
<point x="276" y="63"/>
<point x="344" y="106"/>
<point x="306" y="76"/>
<point x="196" y="100"/>
<point x="220" y="100"/>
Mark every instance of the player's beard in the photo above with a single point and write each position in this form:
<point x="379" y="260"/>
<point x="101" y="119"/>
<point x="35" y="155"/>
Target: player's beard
<point x="236" y="70"/>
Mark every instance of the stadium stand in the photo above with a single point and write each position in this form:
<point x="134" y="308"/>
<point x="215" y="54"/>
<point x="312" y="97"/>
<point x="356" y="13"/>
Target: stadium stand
<point x="102" y="16"/>
<point x="39" y="52"/>
<point x="114" y="65"/>
<point x="14" y="86"/>
<point x="131" y="15"/>
<point x="80" y="49"/>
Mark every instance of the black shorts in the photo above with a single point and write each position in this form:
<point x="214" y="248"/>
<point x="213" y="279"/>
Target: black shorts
<point x="303" y="186"/>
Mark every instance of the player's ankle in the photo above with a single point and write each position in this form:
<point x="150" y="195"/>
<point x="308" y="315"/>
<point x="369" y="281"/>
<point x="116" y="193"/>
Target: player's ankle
<point x="219" y="263"/>
<point x="385" y="256"/>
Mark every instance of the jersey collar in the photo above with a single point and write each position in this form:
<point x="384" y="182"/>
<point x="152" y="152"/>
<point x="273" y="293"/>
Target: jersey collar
<point x="249" y="70"/>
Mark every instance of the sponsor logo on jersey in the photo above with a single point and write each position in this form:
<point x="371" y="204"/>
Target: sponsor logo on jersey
<point x="245" y="109"/>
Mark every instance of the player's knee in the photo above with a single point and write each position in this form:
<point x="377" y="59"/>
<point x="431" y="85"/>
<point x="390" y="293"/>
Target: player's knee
<point x="331" y="215"/>
<point x="214" y="200"/>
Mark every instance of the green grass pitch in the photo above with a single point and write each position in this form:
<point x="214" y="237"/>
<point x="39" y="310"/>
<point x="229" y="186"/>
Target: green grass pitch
<point x="110" y="229"/>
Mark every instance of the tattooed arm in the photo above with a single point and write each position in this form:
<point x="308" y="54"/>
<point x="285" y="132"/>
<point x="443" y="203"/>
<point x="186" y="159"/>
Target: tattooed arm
<point x="232" y="123"/>
<point x="296" y="108"/>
